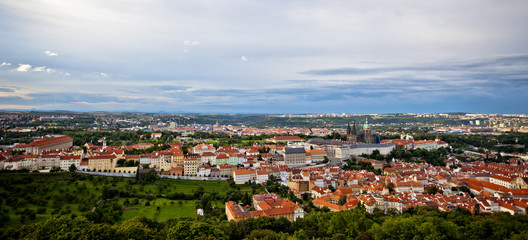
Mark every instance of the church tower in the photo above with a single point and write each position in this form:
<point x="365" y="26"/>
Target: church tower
<point x="351" y="134"/>
<point x="367" y="133"/>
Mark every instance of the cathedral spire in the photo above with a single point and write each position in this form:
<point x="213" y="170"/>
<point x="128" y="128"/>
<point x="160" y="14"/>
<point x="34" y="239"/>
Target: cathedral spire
<point x="366" y="124"/>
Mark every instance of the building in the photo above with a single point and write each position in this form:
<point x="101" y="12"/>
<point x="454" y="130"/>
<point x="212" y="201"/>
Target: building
<point x="226" y="170"/>
<point x="520" y="183"/>
<point x="14" y="163"/>
<point x="331" y="202"/>
<point x="275" y="208"/>
<point x="408" y="187"/>
<point x="177" y="158"/>
<point x="161" y="162"/>
<point x="294" y="157"/>
<point x="102" y="163"/>
<point x="208" y="158"/>
<point x="243" y="176"/>
<point x="257" y="198"/>
<point x="408" y="143"/>
<point x="234" y="212"/>
<point x="261" y="176"/>
<point x="67" y="161"/>
<point x="203" y="148"/>
<point x="506" y="182"/>
<point x="190" y="166"/>
<point x="29" y="162"/>
<point x="39" y="145"/>
<point x="176" y="171"/>
<point x="48" y="161"/>
<point x="222" y="159"/>
<point x="359" y="149"/>
<point x="315" y="155"/>
<point x="204" y="171"/>
<point x="300" y="186"/>
<point x="365" y="136"/>
<point x="145" y="159"/>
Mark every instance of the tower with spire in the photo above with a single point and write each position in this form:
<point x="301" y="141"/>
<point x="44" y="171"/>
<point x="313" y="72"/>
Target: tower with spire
<point x="367" y="133"/>
<point x="351" y="134"/>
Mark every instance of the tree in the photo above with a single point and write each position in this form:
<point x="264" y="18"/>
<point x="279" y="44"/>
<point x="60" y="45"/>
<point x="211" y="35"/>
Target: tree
<point x="188" y="229"/>
<point x="72" y="168"/>
<point x="433" y="190"/>
<point x="390" y="186"/>
<point x="138" y="228"/>
<point x="247" y="199"/>
<point x="342" y="200"/>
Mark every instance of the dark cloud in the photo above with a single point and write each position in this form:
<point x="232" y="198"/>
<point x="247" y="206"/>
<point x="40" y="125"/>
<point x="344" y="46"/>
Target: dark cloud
<point x="520" y="61"/>
<point x="6" y="89"/>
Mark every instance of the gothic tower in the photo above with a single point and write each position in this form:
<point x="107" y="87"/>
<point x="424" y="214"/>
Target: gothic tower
<point x="351" y="134"/>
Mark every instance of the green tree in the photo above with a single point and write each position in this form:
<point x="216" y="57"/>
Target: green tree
<point x="433" y="190"/>
<point x="342" y="200"/>
<point x="72" y="168"/>
<point x="188" y="230"/>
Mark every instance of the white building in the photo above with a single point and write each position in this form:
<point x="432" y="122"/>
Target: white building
<point x="359" y="149"/>
<point x="67" y="161"/>
<point x="204" y="170"/>
<point x="243" y="176"/>
<point x="261" y="176"/>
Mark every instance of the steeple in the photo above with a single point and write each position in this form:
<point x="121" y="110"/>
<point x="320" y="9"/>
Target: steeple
<point x="351" y="134"/>
<point x="365" y="126"/>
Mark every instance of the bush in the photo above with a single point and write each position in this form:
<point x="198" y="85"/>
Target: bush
<point x="41" y="210"/>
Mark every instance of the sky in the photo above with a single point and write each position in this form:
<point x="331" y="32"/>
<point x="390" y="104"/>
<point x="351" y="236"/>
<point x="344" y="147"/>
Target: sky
<point x="234" y="56"/>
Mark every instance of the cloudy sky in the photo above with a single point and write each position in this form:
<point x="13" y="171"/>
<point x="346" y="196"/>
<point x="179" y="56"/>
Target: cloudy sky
<point x="265" y="56"/>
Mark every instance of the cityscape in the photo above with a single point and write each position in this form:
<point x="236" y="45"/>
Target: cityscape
<point x="288" y="120"/>
<point x="381" y="165"/>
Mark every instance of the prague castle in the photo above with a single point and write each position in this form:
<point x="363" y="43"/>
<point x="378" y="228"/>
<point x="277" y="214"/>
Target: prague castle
<point x="365" y="136"/>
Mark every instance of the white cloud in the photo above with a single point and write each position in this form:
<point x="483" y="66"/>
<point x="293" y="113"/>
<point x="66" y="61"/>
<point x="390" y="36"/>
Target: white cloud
<point x="43" y="69"/>
<point x="5" y="64"/>
<point x="103" y="74"/>
<point x="23" y="68"/>
<point x="67" y="74"/>
<point x="191" y="43"/>
<point x="14" y="106"/>
<point x="50" y="53"/>
<point x="243" y="58"/>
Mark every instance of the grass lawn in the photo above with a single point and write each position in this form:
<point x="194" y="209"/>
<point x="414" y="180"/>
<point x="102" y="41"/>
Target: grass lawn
<point x="188" y="186"/>
<point x="178" y="209"/>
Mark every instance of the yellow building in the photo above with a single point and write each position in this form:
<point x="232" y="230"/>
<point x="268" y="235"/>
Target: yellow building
<point x="161" y="162"/>
<point x="177" y="158"/>
<point x="102" y="163"/>
<point x="316" y="155"/>
<point x="190" y="166"/>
